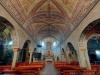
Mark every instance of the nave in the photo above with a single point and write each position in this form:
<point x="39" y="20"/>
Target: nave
<point x="49" y="69"/>
<point x="64" y="32"/>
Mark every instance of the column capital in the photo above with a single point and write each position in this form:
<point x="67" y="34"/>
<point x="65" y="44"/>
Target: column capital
<point x="16" y="49"/>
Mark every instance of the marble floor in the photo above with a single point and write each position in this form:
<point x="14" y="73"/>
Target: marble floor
<point x="49" y="69"/>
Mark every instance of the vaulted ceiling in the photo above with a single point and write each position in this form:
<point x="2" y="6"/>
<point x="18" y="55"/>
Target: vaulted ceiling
<point x="48" y="18"/>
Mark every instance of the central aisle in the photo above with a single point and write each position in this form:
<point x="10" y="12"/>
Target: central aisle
<point x="49" y="69"/>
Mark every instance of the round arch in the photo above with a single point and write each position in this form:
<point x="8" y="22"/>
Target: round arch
<point x="72" y="54"/>
<point x="90" y="30"/>
<point x="88" y="35"/>
<point x="24" y="53"/>
<point x="8" y="38"/>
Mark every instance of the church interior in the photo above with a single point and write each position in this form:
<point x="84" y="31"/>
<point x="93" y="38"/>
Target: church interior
<point x="49" y="37"/>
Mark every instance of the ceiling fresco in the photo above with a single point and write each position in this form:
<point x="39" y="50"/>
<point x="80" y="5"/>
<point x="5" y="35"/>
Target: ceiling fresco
<point x="28" y="5"/>
<point x="48" y="18"/>
<point x="69" y="6"/>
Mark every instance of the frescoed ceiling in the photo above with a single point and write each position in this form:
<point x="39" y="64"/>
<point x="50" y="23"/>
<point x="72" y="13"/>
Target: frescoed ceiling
<point x="48" y="18"/>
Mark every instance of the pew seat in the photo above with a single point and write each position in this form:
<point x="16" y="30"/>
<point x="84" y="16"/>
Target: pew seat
<point x="9" y="72"/>
<point x="71" y="72"/>
<point x="28" y="72"/>
<point x="89" y="72"/>
<point x="20" y="72"/>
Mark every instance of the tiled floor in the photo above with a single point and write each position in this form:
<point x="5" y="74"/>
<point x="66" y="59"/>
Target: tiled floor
<point x="49" y="69"/>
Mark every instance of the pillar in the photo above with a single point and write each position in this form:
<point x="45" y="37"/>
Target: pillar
<point x="15" y="57"/>
<point x="83" y="56"/>
<point x="30" y="60"/>
<point x="67" y="56"/>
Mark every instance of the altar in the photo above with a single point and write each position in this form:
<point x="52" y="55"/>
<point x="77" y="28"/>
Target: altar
<point x="48" y="55"/>
<point x="49" y="59"/>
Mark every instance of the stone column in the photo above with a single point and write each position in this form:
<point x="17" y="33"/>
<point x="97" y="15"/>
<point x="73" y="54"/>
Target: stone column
<point x="30" y="60"/>
<point x="67" y="56"/>
<point x="15" y="57"/>
<point x="33" y="58"/>
<point x="83" y="56"/>
<point x="62" y="57"/>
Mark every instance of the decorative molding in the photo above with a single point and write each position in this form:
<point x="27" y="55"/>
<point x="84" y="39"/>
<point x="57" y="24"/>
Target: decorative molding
<point x="16" y="49"/>
<point x="8" y="4"/>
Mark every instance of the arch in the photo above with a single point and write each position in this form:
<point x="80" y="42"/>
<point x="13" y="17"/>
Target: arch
<point x="93" y="46"/>
<point x="72" y="54"/>
<point x="70" y="46"/>
<point x="90" y="30"/>
<point x="12" y="30"/>
<point x="7" y="40"/>
<point x="24" y="53"/>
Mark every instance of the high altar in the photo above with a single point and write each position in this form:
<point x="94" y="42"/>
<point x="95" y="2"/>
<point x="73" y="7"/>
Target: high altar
<point x="49" y="55"/>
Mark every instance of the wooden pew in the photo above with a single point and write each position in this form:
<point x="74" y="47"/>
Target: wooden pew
<point x="0" y="70"/>
<point x="37" y="63"/>
<point x="22" y="63"/>
<point x="23" y="66"/>
<point x="78" y="72"/>
<point x="94" y="67"/>
<point x="20" y="72"/>
<point x="98" y="71"/>
<point x="28" y="72"/>
<point x="71" y="72"/>
<point x="74" y="63"/>
<point x="5" y="67"/>
<point x="89" y="72"/>
<point x="60" y="63"/>
<point x="9" y="72"/>
<point x="39" y="67"/>
<point x="60" y="70"/>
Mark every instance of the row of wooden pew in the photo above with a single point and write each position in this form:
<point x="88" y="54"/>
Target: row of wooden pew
<point x="74" y="69"/>
<point x="23" y="68"/>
